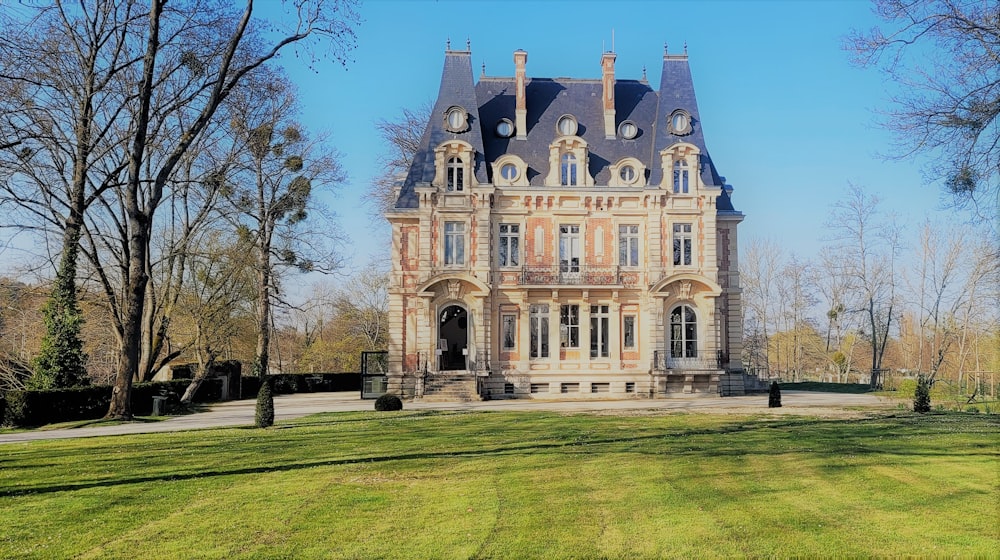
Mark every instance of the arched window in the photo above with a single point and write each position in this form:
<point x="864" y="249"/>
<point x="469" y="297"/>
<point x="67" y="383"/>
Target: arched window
<point x="568" y="170"/>
<point x="456" y="174"/>
<point x="680" y="176"/>
<point x="683" y="333"/>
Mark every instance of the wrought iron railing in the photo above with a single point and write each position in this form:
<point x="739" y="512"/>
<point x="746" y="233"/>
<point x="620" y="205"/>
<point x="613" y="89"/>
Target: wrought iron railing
<point x="663" y="361"/>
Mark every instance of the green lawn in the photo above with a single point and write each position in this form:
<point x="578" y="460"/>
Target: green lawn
<point x="513" y="485"/>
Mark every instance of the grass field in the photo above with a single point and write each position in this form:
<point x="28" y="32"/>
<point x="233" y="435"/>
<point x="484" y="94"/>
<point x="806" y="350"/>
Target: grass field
<point x="513" y="485"/>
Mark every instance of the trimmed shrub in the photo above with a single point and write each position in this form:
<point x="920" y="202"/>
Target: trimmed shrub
<point x="387" y="402"/>
<point x="265" y="406"/>
<point x="774" y="396"/>
<point x="35" y="408"/>
<point x="288" y="383"/>
<point x="922" y="396"/>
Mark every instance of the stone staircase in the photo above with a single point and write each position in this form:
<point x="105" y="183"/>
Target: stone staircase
<point x="450" y="386"/>
<point x="732" y="385"/>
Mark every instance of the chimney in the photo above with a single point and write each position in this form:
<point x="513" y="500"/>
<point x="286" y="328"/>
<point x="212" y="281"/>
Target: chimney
<point x="608" y="79"/>
<point x="520" y="105"/>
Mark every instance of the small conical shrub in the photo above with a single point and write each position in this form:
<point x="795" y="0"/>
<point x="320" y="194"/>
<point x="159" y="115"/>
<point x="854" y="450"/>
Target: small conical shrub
<point x="774" y="396"/>
<point x="922" y="396"/>
<point x="388" y="401"/>
<point x="265" y="405"/>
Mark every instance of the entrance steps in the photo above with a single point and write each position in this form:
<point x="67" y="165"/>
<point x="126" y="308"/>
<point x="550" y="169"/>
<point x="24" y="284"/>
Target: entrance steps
<point x="450" y="386"/>
<point x="732" y="385"/>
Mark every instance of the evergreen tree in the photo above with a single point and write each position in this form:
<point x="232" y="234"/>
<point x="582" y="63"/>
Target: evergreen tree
<point x="922" y="396"/>
<point x="61" y="361"/>
<point x="774" y="396"/>
<point x="265" y="405"/>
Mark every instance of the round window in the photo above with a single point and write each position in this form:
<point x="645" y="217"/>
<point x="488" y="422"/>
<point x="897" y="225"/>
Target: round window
<point x="455" y="119"/>
<point x="627" y="174"/>
<point x="566" y="125"/>
<point x="505" y="128"/>
<point x="680" y="122"/>
<point x="628" y="130"/>
<point x="508" y="171"/>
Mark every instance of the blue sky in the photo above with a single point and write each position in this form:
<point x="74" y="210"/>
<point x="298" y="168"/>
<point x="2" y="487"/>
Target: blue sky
<point x="787" y="119"/>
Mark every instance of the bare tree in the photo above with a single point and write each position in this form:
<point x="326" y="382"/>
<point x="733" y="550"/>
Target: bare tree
<point x="219" y="286"/>
<point x="759" y="268"/>
<point x="273" y="194"/>
<point x="945" y="57"/>
<point x="402" y="139"/>
<point x="364" y="304"/>
<point x="194" y="57"/>
<point x="868" y="244"/>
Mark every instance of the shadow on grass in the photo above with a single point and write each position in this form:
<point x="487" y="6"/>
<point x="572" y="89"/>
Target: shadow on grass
<point x="830" y="441"/>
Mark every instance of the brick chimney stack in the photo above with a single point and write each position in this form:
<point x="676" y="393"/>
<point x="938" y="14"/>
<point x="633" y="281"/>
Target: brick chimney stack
<point x="608" y="80"/>
<point x="520" y="105"/>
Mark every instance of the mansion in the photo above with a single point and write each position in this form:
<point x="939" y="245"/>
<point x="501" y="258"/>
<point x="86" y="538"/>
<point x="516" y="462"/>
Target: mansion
<point x="562" y="238"/>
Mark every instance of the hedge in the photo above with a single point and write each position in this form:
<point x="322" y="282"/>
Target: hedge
<point x="35" y="408"/>
<point x="288" y="383"/>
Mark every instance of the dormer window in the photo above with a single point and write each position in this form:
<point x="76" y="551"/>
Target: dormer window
<point x="568" y="170"/>
<point x="454" y="167"/>
<point x="456" y="119"/>
<point x="679" y="122"/>
<point x="681" y="176"/>
<point x="456" y="174"/>
<point x="628" y="130"/>
<point x="566" y="125"/>
<point x="568" y="161"/>
<point x="505" y="128"/>
<point x="627" y="174"/>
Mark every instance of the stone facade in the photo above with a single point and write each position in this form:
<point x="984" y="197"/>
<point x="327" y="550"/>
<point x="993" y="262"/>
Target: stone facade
<point x="548" y="243"/>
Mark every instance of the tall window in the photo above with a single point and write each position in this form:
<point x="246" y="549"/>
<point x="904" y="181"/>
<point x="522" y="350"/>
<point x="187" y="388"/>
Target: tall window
<point x="628" y="245"/>
<point x="628" y="331"/>
<point x="538" y="318"/>
<point x="598" y="331"/>
<point x="454" y="243"/>
<point x="569" y="249"/>
<point x="569" y="326"/>
<point x="683" y="333"/>
<point x="509" y="244"/>
<point x="680" y="176"/>
<point x="682" y="244"/>
<point x="456" y="172"/>
<point x="568" y="170"/>
<point x="508" y="331"/>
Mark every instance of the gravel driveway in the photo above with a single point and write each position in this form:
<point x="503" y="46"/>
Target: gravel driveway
<point x="241" y="413"/>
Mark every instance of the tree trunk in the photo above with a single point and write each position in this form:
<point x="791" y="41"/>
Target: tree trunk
<point x="139" y="227"/>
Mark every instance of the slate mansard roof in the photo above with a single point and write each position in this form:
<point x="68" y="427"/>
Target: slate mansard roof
<point x="493" y="98"/>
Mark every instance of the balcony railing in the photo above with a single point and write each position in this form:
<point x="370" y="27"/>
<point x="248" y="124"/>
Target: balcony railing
<point x="572" y="276"/>
<point x="663" y="361"/>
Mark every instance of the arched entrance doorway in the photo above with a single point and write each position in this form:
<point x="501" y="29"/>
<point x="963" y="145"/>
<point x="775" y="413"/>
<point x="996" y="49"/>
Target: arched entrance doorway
<point x="453" y="338"/>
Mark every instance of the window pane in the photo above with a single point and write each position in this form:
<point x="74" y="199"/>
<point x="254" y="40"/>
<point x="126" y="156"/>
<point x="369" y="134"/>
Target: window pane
<point x="513" y="251"/>
<point x="509" y="330"/>
<point x="629" y="333"/>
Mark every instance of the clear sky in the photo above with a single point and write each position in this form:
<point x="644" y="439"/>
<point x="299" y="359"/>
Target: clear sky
<point x="787" y="119"/>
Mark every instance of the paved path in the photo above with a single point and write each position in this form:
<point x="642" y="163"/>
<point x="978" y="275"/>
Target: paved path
<point x="241" y="413"/>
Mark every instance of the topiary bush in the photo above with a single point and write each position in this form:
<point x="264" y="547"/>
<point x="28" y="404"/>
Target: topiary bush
<point x="922" y="396"/>
<point x="388" y="401"/>
<point x="265" y="406"/>
<point x="774" y="396"/>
